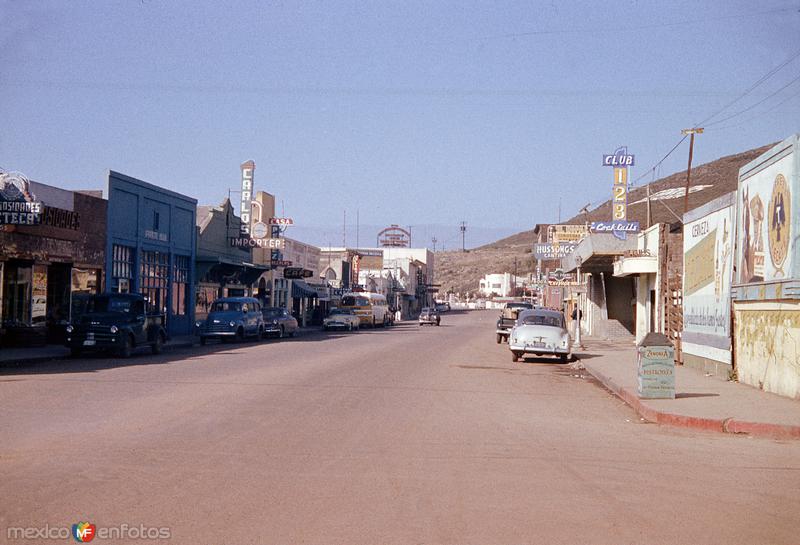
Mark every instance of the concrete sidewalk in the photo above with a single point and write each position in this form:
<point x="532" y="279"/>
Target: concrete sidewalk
<point x="12" y="357"/>
<point x="701" y="402"/>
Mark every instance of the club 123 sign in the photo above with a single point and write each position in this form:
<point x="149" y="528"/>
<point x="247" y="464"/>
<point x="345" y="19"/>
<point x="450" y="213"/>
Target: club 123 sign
<point x="619" y="226"/>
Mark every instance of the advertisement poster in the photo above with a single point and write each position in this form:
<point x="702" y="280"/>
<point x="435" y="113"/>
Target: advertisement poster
<point x="708" y="265"/>
<point x="764" y="251"/>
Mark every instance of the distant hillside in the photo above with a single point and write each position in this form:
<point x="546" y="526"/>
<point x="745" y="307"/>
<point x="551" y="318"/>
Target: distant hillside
<point x="462" y="271"/>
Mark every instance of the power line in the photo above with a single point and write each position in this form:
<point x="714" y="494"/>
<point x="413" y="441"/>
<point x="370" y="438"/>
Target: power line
<point x="754" y="105"/>
<point x="585" y="30"/>
<point x="761" y="80"/>
<point x="761" y="114"/>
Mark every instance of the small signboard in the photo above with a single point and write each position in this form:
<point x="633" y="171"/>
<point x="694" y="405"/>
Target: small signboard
<point x="656" y="367"/>
<point x="280" y="263"/>
<point x="281" y="221"/>
<point x="271" y="243"/>
<point x="18" y="206"/>
<point x="553" y="251"/>
<point x="297" y="273"/>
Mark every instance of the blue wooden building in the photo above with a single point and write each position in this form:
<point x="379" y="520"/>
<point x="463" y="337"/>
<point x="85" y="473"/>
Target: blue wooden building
<point x="151" y="241"/>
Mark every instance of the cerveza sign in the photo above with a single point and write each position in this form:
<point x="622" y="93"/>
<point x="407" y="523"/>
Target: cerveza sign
<point x="552" y="251"/>
<point x="271" y="243"/>
<point x="614" y="227"/>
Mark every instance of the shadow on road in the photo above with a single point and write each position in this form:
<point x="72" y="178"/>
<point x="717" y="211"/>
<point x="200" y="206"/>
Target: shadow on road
<point x="99" y="361"/>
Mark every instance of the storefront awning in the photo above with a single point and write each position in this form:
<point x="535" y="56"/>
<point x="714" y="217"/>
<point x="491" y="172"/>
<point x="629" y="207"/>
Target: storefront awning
<point x="228" y="271"/>
<point x="300" y="289"/>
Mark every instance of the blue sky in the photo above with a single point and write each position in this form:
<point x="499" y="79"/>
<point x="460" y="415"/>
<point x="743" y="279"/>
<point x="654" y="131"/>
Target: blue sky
<point x="411" y="112"/>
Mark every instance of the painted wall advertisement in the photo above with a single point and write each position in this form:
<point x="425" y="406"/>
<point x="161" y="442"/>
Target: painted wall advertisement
<point x="764" y="251"/>
<point x="708" y="266"/>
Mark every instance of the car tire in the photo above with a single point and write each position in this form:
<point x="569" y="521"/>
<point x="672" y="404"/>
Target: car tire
<point x="514" y="357"/>
<point x="158" y="344"/>
<point x="564" y="358"/>
<point x="293" y="333"/>
<point x="499" y="338"/>
<point x="126" y="349"/>
<point x="203" y="340"/>
<point x="75" y="351"/>
<point x="281" y="332"/>
<point x="239" y="335"/>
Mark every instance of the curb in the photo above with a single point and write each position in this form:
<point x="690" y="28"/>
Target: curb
<point x="726" y="425"/>
<point x="31" y="360"/>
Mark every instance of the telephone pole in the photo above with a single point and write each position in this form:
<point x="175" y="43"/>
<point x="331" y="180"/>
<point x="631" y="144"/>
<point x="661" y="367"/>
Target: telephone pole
<point x="463" y="235"/>
<point x="691" y="133"/>
<point x="434" y="243"/>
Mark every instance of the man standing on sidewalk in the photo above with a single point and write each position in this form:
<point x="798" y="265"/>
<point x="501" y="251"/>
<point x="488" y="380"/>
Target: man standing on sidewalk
<point x="577" y="314"/>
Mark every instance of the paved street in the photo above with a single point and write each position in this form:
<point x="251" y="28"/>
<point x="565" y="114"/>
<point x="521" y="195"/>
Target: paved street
<point x="404" y="435"/>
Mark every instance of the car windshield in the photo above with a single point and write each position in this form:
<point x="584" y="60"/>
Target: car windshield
<point x="550" y="320"/>
<point x="354" y="301"/>
<point x="341" y="311"/>
<point x="109" y="304"/>
<point x="226" y="306"/>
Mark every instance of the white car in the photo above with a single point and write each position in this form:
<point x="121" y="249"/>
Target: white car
<point x="341" y="318"/>
<point x="540" y="332"/>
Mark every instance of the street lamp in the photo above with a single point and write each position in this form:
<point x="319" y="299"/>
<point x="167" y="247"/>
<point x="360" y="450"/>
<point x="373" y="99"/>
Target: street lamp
<point x="577" y="344"/>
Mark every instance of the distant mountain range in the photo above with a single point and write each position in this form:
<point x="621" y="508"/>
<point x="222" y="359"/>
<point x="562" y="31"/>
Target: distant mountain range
<point x="448" y="237"/>
<point x="462" y="272"/>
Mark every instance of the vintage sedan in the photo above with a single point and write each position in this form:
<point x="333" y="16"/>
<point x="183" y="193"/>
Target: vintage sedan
<point x="232" y="318"/>
<point x="278" y="322"/>
<point x="540" y="332"/>
<point x="429" y="316"/>
<point x="341" y="318"/>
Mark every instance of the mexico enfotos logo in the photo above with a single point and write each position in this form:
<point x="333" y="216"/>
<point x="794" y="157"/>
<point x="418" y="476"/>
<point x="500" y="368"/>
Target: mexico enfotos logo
<point x="85" y="532"/>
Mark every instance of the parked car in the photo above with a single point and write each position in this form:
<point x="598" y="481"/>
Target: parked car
<point x="341" y="318"/>
<point x="278" y="322"/>
<point x="116" y="322"/>
<point x="429" y="316"/>
<point x="540" y="332"/>
<point x="508" y="317"/>
<point x="443" y="307"/>
<point x="232" y="318"/>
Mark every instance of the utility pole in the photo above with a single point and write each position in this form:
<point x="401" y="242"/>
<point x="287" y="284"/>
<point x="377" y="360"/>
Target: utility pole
<point x="463" y="235"/>
<point x="344" y="230"/>
<point x="434" y="243"/>
<point x="357" y="229"/>
<point x="691" y="133"/>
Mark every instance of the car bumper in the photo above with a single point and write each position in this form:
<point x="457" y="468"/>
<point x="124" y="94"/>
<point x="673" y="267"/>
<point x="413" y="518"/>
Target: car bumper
<point x="272" y="328"/>
<point x="538" y="350"/>
<point x="500" y="331"/>
<point x="338" y="325"/>
<point x="218" y="334"/>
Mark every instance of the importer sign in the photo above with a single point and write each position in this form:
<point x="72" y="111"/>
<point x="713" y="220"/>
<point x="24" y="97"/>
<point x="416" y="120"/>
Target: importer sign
<point x="18" y="205"/>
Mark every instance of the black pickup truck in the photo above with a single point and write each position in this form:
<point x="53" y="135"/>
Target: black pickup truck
<point x="508" y="318"/>
<point x="116" y="322"/>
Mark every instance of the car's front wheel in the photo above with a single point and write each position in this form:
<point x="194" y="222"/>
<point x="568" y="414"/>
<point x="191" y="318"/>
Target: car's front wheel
<point x="515" y="356"/>
<point x="158" y="344"/>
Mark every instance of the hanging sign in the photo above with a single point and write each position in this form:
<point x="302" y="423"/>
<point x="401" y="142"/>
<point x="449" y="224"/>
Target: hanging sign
<point x="281" y="221"/>
<point x="248" y="169"/>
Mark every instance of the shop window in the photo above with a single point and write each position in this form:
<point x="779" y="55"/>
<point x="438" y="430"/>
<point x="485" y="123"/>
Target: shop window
<point x="17" y="291"/>
<point x="180" y="283"/>
<point x="122" y="268"/>
<point x="154" y="280"/>
<point x="85" y="281"/>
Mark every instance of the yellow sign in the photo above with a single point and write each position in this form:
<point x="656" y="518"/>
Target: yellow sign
<point x="699" y="267"/>
<point x="620" y="194"/>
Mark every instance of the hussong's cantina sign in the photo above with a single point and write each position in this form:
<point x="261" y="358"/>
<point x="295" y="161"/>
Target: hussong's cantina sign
<point x="18" y="206"/>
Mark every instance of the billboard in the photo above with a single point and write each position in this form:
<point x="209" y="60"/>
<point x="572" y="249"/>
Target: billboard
<point x="707" y="276"/>
<point x="566" y="233"/>
<point x="764" y="216"/>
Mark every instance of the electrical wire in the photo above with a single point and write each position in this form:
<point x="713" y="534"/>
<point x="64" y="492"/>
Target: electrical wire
<point x="795" y="80"/>
<point x="761" y="114"/>
<point x="750" y="89"/>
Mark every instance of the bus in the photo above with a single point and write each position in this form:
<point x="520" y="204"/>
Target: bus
<point x="371" y="308"/>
